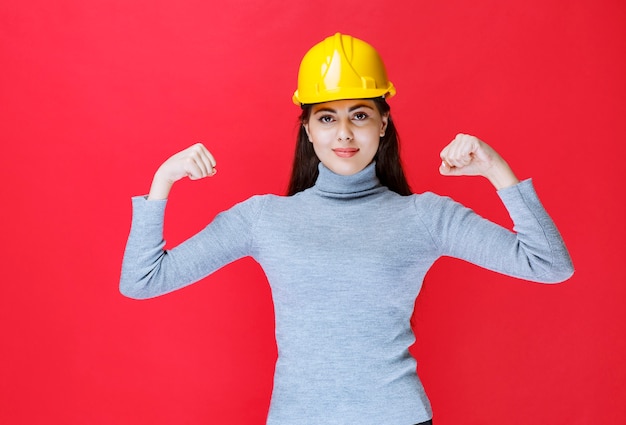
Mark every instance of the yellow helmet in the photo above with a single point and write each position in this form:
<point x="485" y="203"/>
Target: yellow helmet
<point x="341" y="67"/>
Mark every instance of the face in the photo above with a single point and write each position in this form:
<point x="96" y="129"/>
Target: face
<point x="346" y="133"/>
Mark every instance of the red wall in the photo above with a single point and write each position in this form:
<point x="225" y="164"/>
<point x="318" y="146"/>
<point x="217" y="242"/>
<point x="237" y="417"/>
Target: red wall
<point x="95" y="94"/>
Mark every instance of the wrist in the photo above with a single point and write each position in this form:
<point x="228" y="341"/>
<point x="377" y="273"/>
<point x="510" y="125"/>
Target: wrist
<point x="160" y="188"/>
<point x="501" y="175"/>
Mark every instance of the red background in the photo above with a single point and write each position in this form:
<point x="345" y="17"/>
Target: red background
<point x="94" y="95"/>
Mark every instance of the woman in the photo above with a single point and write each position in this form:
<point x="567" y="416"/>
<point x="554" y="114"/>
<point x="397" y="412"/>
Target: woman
<point x="346" y="252"/>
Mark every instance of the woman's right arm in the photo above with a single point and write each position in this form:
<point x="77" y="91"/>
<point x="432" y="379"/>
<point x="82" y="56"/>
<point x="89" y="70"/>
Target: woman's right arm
<point x="148" y="270"/>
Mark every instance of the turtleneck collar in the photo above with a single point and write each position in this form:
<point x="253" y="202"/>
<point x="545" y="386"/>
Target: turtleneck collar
<point x="332" y="185"/>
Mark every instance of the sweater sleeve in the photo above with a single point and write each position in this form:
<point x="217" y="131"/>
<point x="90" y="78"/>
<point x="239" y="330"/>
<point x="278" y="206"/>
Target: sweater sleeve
<point x="533" y="251"/>
<point x="149" y="270"/>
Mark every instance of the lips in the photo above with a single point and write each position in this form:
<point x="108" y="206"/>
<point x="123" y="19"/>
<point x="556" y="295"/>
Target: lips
<point x="345" y="152"/>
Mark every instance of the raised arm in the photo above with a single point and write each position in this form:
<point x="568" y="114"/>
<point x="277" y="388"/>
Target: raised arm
<point x="534" y="251"/>
<point x="148" y="270"/>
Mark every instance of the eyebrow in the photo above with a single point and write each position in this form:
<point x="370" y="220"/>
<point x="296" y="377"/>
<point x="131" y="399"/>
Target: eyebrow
<point x="352" y="108"/>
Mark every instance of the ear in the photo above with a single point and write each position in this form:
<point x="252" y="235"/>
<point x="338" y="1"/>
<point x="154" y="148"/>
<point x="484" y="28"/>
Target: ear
<point x="306" y="128"/>
<point x="385" y="122"/>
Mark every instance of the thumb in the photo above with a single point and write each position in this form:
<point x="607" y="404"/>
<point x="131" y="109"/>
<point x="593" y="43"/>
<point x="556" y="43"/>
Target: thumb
<point x="446" y="170"/>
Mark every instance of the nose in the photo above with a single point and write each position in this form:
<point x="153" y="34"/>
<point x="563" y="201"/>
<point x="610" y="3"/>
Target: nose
<point x="344" y="131"/>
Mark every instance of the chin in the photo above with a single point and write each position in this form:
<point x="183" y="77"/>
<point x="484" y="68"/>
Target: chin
<point x="345" y="169"/>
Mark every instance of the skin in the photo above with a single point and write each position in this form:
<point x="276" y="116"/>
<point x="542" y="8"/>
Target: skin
<point x="467" y="155"/>
<point x="345" y="136"/>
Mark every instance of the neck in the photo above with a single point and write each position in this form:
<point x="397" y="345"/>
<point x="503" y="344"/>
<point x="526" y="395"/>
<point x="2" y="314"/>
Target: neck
<point x="332" y="185"/>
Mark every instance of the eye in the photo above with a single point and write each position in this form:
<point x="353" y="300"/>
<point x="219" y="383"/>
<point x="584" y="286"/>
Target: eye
<point x="325" y="119"/>
<point x="360" y="116"/>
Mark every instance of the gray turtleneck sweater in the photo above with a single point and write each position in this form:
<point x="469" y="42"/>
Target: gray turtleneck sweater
<point x="345" y="260"/>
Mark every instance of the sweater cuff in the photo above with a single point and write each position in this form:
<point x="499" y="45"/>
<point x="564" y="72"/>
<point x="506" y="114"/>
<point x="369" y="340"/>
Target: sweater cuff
<point x="523" y="189"/>
<point x="148" y="212"/>
<point x="521" y="200"/>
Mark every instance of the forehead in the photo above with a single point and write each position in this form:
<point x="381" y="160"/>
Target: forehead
<point x="344" y="105"/>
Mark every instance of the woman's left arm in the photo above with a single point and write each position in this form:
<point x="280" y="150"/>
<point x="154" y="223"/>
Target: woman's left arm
<point x="535" y="251"/>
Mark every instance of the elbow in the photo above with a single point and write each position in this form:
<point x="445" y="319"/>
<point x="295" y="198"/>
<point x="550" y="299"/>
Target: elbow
<point x="560" y="276"/>
<point x="140" y="286"/>
<point x="551" y="270"/>
<point x="559" y="273"/>
<point x="564" y="269"/>
<point x="133" y="287"/>
<point x="132" y="292"/>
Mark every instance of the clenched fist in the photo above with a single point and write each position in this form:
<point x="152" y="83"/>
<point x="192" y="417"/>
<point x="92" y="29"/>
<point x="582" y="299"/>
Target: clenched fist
<point x="467" y="155"/>
<point x="195" y="162"/>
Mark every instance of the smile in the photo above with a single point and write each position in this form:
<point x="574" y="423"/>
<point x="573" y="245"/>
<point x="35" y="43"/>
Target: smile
<point x="345" y="152"/>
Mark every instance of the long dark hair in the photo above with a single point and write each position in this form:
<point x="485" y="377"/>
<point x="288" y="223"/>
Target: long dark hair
<point x="388" y="164"/>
